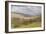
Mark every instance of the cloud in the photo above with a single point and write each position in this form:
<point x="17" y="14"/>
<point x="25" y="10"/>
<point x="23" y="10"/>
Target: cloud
<point x="30" y="10"/>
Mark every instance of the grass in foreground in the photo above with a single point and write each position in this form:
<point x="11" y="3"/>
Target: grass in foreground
<point x="25" y="24"/>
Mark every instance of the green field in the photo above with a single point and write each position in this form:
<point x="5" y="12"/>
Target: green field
<point x="34" y="22"/>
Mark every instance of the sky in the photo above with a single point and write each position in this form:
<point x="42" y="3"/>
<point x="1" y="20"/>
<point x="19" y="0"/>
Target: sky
<point x="29" y="10"/>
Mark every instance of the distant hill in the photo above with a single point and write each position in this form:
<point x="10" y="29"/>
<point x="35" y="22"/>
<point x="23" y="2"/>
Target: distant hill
<point x="26" y="15"/>
<point x="21" y="15"/>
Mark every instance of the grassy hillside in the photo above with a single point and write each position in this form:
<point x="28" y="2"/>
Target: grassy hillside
<point x="34" y="21"/>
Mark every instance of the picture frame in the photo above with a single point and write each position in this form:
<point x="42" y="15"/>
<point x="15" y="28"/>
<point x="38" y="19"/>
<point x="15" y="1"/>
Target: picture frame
<point x="20" y="7"/>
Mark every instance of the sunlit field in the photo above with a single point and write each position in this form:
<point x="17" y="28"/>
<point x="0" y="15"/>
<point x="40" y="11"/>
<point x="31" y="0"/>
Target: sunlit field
<point x="19" y="21"/>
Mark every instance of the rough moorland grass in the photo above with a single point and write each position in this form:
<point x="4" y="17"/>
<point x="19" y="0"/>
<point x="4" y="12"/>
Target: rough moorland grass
<point x="25" y="24"/>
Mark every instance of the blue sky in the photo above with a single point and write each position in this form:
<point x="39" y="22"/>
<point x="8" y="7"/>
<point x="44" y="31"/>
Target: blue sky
<point x="30" y="10"/>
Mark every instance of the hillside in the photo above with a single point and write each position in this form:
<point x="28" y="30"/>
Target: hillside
<point x="25" y="21"/>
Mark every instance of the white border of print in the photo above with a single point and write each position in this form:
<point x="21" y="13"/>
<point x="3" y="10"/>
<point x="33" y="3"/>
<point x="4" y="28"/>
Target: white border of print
<point x="25" y="29"/>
